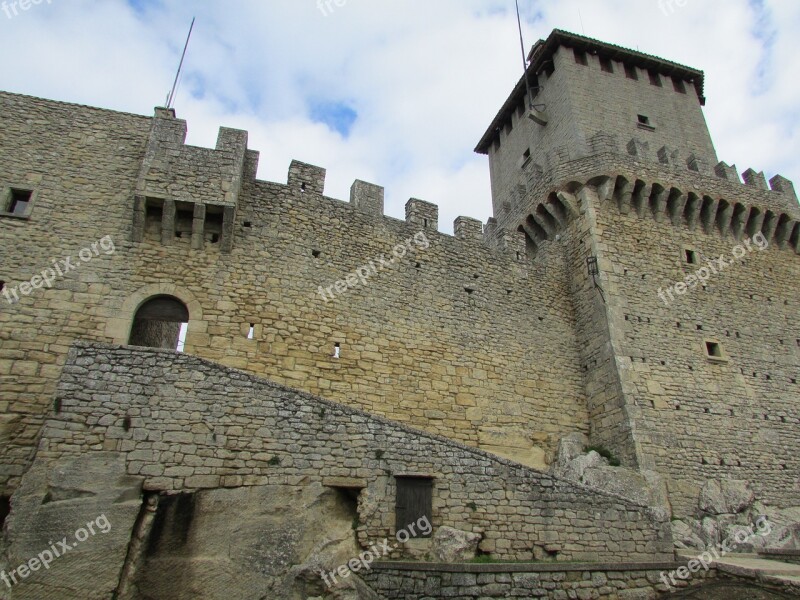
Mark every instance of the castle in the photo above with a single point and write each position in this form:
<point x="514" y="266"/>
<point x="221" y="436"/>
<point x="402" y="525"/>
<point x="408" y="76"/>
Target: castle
<point x="343" y="374"/>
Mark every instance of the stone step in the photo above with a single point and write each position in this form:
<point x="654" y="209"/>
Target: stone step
<point x="752" y="567"/>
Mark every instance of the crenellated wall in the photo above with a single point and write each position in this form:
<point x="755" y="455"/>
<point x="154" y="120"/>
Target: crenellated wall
<point x="496" y="337"/>
<point x="607" y="156"/>
<point x="461" y="335"/>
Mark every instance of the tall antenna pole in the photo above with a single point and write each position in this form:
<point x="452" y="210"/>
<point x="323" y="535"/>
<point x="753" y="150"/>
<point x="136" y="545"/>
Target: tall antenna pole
<point x="171" y="96"/>
<point x="524" y="58"/>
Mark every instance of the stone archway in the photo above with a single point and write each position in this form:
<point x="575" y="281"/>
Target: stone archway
<point x="120" y="327"/>
<point x="159" y="323"/>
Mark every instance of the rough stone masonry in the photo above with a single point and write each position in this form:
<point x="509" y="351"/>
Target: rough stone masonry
<point x="466" y="363"/>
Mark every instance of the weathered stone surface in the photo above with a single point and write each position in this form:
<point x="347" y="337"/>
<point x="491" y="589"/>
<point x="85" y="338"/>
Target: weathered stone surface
<point x="67" y="500"/>
<point x="685" y="537"/>
<point x="252" y="542"/>
<point x="268" y="434"/>
<point x="737" y="495"/>
<point x="711" y="499"/>
<point x="577" y="467"/>
<point x="591" y="469"/>
<point x="574" y="582"/>
<point x="659" y="495"/>
<point x="569" y="448"/>
<point x="453" y="545"/>
<point x="784" y="526"/>
<point x="623" y="482"/>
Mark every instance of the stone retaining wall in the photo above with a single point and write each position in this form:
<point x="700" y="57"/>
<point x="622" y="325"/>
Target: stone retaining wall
<point x="184" y="424"/>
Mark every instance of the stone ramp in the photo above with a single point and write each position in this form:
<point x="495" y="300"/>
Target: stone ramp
<point x="751" y="566"/>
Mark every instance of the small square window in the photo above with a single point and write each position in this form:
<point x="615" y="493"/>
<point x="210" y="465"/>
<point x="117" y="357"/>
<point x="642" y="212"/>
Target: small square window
<point x="714" y="351"/>
<point x="19" y="202"/>
<point x="606" y="65"/>
<point x="679" y="86"/>
<point x="691" y="257"/>
<point x="655" y="78"/>
<point x="630" y="72"/>
<point x="580" y="57"/>
<point x="644" y="120"/>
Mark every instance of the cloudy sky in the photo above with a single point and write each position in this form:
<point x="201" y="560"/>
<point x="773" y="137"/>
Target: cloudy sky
<point x="395" y="93"/>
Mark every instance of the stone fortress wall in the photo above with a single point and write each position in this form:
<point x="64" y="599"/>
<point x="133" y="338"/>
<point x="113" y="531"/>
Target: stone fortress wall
<point x="460" y="339"/>
<point x="467" y="359"/>
<point x="496" y="337"/>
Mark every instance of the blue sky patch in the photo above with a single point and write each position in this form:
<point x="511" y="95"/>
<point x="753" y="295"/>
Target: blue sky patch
<point x="336" y="115"/>
<point x="142" y="6"/>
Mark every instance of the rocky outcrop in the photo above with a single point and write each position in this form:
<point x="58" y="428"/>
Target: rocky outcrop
<point x="257" y="542"/>
<point x="75" y="514"/>
<point x="726" y="497"/>
<point x="685" y="537"/>
<point x="589" y="468"/>
<point x="727" y="512"/>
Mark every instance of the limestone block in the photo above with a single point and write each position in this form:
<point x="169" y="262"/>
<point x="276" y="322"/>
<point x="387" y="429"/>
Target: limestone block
<point x="452" y="545"/>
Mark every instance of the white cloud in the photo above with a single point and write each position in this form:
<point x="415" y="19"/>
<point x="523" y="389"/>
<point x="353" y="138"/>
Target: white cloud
<point x="425" y="78"/>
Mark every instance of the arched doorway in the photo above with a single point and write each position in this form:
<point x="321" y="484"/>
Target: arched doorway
<point x="160" y="322"/>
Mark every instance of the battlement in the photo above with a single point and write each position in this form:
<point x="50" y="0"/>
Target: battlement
<point x="783" y="196"/>
<point x="367" y="199"/>
<point x="604" y="153"/>
<point x="187" y="190"/>
<point x="665" y="200"/>
<point x="673" y="157"/>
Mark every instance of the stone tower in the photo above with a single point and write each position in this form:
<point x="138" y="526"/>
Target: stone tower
<point x="610" y="175"/>
<point x="587" y="96"/>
